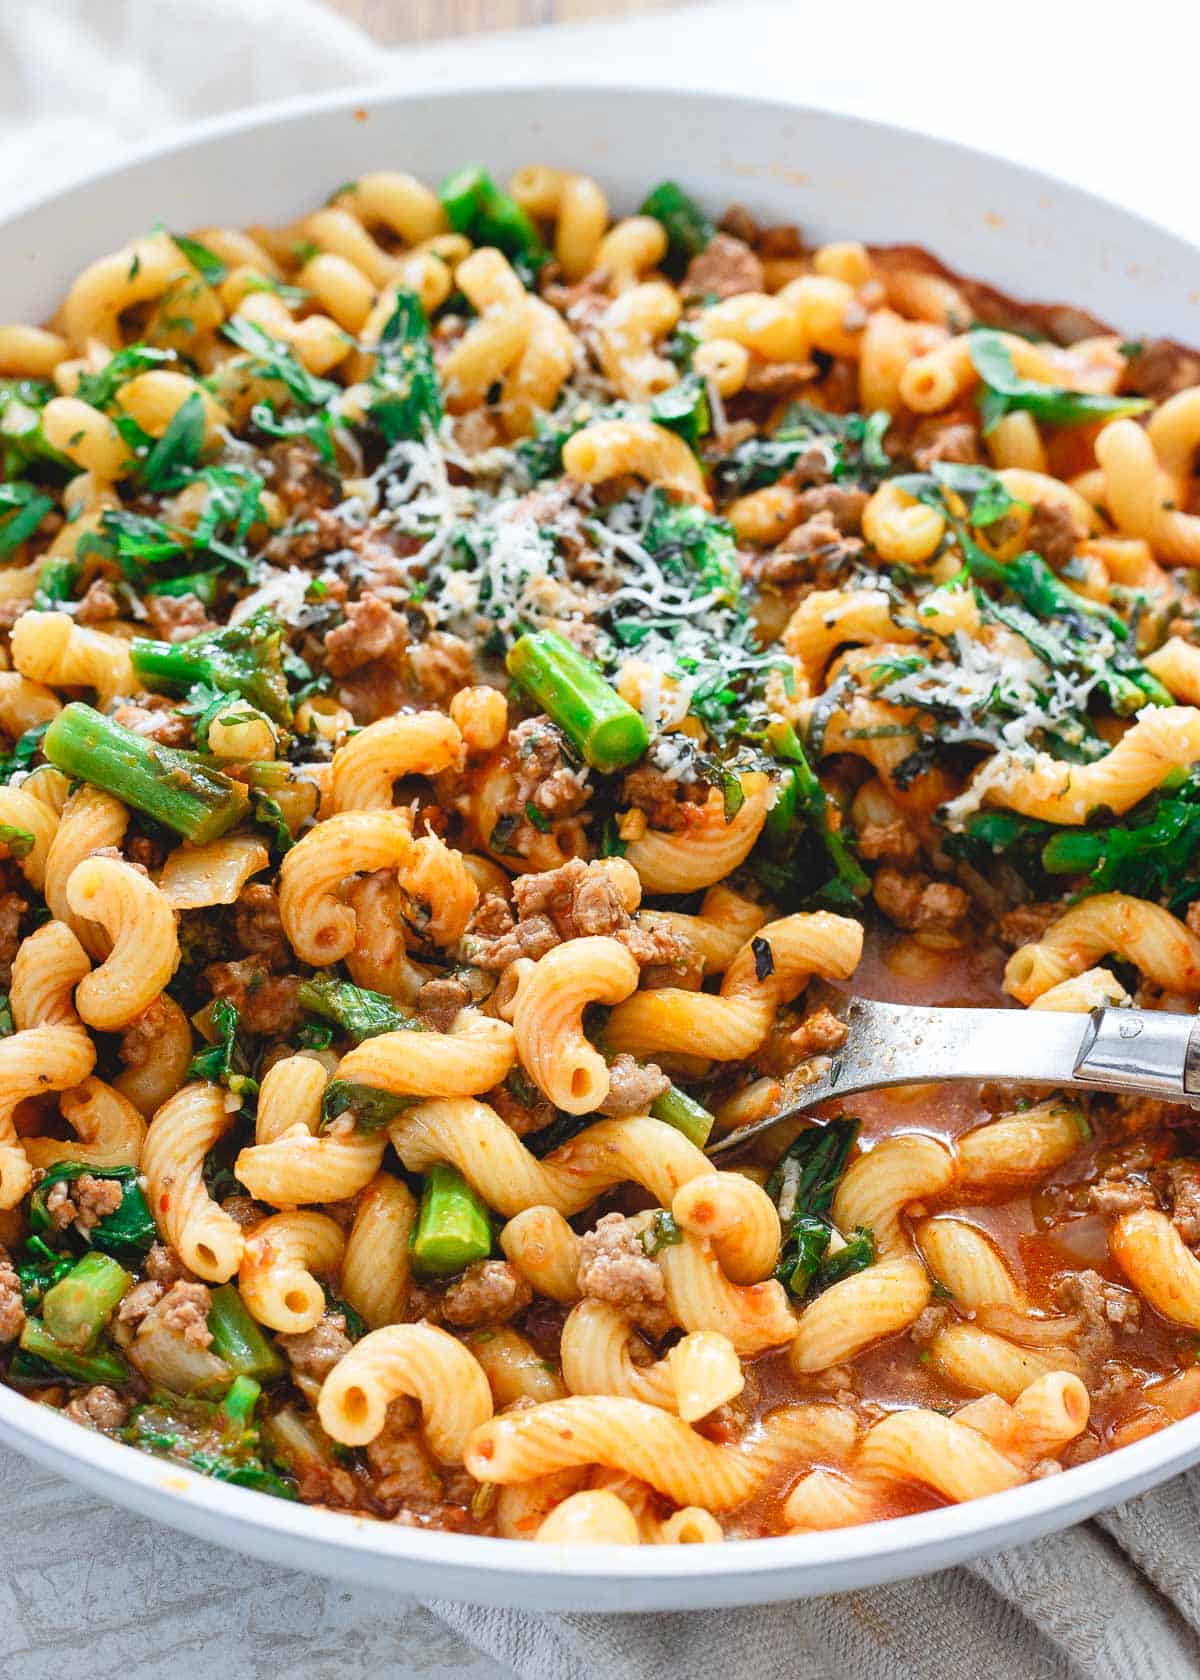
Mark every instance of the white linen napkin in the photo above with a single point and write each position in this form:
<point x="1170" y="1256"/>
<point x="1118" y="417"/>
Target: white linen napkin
<point x="1114" y="1598"/>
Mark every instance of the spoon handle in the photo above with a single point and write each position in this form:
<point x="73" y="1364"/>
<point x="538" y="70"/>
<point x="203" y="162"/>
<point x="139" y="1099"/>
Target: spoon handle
<point x="1139" y="1052"/>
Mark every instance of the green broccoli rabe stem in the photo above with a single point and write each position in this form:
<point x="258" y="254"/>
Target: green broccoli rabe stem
<point x="239" y="1341"/>
<point x="1074" y="852"/>
<point x="805" y="797"/>
<point x="238" y="1407"/>
<point x="453" y="1226"/>
<point x="1151" y="691"/>
<point x="685" y="1114"/>
<point x="100" y="1366"/>
<point x="159" y="781"/>
<point x="79" y="1306"/>
<point x="475" y="206"/>
<point x="244" y="658"/>
<point x="576" y="695"/>
<point x="783" y="815"/>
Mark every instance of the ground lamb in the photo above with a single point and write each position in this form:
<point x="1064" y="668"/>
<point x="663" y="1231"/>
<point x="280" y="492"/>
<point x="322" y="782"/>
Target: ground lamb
<point x="892" y="842"/>
<point x="12" y="1309"/>
<point x="439" y="1001"/>
<point x="269" y="1004"/>
<point x="99" y="603"/>
<point x="259" y="929"/>
<point x="914" y="901"/>
<point x="373" y="630"/>
<point x="155" y="718"/>
<point x="819" y="1034"/>
<point x="546" y="778"/>
<point x="725" y="267"/>
<point x="1179" y="1187"/>
<point x="1025" y="924"/>
<point x="532" y="938"/>
<point x="489" y="1292"/>
<point x="1101" y="1306"/>
<point x="315" y="1352"/>
<point x="174" y="618"/>
<point x="1052" y="534"/>
<point x="185" y="1308"/>
<point x="669" y="804"/>
<point x="815" y="539"/>
<point x="400" y="1457"/>
<point x="82" y="1202"/>
<point x="581" y="900"/>
<point x="614" y="1266"/>
<point x="100" y="1407"/>
<point x="632" y="1087"/>
<point x="182" y="1307"/>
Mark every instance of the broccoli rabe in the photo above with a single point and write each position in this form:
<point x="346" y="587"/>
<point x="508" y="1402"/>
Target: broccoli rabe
<point x="802" y="1186"/>
<point x="405" y="394"/>
<point x="361" y="1013"/>
<point x="129" y="1227"/>
<point x="244" y="658"/>
<point x="170" y="786"/>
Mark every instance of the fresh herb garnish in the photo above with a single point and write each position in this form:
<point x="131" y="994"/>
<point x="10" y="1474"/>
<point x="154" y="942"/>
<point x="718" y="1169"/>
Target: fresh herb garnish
<point x="274" y="360"/>
<point x="406" y="397"/>
<point x="22" y="509"/>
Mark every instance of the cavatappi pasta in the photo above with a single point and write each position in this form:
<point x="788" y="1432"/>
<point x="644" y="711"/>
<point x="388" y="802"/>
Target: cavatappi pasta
<point x="478" y="679"/>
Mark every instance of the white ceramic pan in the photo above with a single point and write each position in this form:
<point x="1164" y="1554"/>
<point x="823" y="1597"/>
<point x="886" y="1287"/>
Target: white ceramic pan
<point x="839" y="177"/>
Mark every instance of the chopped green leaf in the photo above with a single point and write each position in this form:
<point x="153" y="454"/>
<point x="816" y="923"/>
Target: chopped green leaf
<point x="22" y="509"/>
<point x="268" y="813"/>
<point x="22" y="437"/>
<point x="169" y="463"/>
<point x="406" y="397"/>
<point x="25" y="750"/>
<point x="224" y="1062"/>
<point x="372" y="1109"/>
<point x="802" y="1187"/>
<point x="209" y="264"/>
<point x="662" y="1232"/>
<point x="274" y="360"/>
<point x="857" y="1254"/>
<point x="1006" y="390"/>
<point x="687" y="227"/>
<point x="129" y="1226"/>
<point x="99" y="389"/>
<point x="19" y="842"/>
<point x="360" y="1013"/>
<point x="316" y="429"/>
<point x="683" y="408"/>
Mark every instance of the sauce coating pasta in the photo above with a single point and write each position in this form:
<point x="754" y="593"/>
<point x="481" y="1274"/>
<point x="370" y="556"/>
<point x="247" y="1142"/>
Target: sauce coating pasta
<point x="479" y="681"/>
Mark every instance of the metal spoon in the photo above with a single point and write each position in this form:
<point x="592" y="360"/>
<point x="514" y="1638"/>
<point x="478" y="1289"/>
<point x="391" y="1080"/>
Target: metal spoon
<point x="1138" y="1052"/>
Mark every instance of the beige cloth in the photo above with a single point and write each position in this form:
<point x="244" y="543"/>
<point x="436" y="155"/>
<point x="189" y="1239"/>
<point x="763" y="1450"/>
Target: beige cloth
<point x="85" y="1583"/>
